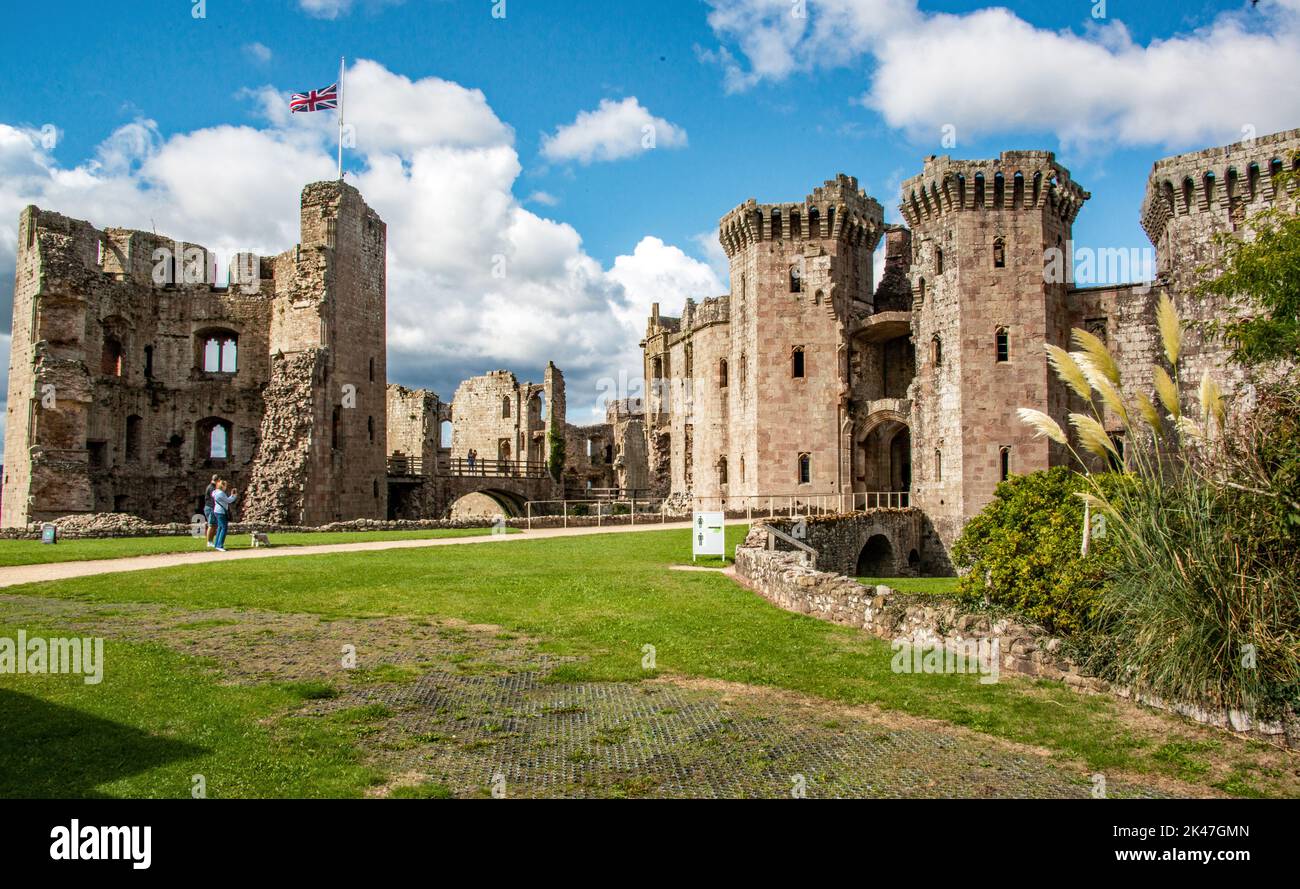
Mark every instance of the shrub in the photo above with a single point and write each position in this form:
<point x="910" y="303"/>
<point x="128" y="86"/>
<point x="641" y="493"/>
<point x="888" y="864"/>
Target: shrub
<point x="1200" y="602"/>
<point x="1024" y="551"/>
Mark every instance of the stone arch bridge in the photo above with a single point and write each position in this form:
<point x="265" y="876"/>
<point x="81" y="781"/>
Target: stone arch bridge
<point x="873" y="543"/>
<point x="419" y="490"/>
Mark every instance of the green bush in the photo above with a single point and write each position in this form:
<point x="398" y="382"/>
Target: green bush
<point x="1023" y="551"/>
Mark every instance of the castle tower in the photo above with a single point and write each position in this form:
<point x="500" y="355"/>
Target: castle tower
<point x="1190" y="200"/>
<point x="774" y="402"/>
<point x="322" y="456"/>
<point x="982" y="310"/>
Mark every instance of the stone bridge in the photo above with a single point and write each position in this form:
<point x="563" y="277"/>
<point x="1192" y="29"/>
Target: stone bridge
<point x="423" y="490"/>
<point x="873" y="543"/>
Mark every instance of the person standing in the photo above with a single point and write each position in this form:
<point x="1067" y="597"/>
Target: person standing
<point x="221" y="503"/>
<point x="471" y="456"/>
<point x="208" y="515"/>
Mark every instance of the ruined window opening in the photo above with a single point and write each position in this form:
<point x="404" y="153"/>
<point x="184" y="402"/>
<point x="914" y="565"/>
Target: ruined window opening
<point x="335" y="421"/>
<point x="938" y="260"/>
<point x="722" y="470"/>
<point x="444" y="434"/>
<point x="213" y="439"/>
<point x="805" y="469"/>
<point x="1208" y="181"/>
<point x="658" y="371"/>
<point x="938" y="465"/>
<point x="370" y="428"/>
<point x="1018" y="191"/>
<point x="148" y="362"/>
<point x="796" y="229"/>
<point x="796" y="283"/>
<point x="133" y="428"/>
<point x="796" y="362"/>
<point x="505" y="406"/>
<point x="999" y="253"/>
<point x="99" y="253"/>
<point x="1004" y="463"/>
<point x="1038" y="186"/>
<point x="776" y="225"/>
<point x="96" y="451"/>
<point x="722" y="373"/>
<point x="1252" y="180"/>
<point x="1188" y="188"/>
<point x="920" y="291"/>
<point x="110" y="362"/>
<point x="830" y="222"/>
<point x="999" y="189"/>
<point x="1003" y="345"/>
<point x="936" y="351"/>
<point x="979" y="190"/>
<point x="1274" y="167"/>
<point x="815" y="223"/>
<point x="220" y="352"/>
<point x="1169" y="196"/>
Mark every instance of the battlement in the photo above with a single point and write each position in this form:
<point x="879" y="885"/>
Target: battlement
<point x="713" y="310"/>
<point x="1015" y="180"/>
<point x="1217" y="180"/>
<point x="836" y="210"/>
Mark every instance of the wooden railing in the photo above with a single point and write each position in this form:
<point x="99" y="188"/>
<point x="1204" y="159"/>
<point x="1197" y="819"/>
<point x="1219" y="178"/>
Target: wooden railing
<point x="463" y="466"/>
<point x="403" y="466"/>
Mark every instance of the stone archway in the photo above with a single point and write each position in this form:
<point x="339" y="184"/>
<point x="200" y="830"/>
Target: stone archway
<point x="876" y="559"/>
<point x="882" y="455"/>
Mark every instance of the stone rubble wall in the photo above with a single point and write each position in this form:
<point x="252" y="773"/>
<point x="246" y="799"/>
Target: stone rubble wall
<point x="787" y="581"/>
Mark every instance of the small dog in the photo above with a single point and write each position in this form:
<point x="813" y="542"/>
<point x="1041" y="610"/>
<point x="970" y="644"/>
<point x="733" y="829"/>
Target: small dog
<point x="259" y="538"/>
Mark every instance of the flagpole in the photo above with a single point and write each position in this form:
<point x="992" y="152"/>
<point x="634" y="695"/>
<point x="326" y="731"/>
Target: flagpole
<point x="342" y="61"/>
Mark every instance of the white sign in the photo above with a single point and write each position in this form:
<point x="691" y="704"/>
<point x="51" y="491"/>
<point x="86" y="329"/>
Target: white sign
<point x="707" y="537"/>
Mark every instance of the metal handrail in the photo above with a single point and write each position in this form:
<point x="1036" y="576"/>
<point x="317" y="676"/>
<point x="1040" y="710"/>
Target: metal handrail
<point x="809" y="554"/>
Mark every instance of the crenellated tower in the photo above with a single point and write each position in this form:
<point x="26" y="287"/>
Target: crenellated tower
<point x="800" y="274"/>
<point x="983" y="307"/>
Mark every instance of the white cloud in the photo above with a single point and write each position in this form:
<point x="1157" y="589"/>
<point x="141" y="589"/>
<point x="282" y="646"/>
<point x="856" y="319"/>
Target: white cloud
<point x="326" y="9"/>
<point x="258" y="52"/>
<point x="989" y="70"/>
<point x="545" y="198"/>
<point x="615" y="130"/>
<point x="442" y="177"/>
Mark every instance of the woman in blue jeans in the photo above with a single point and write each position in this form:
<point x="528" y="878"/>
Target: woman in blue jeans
<point x="221" y="502"/>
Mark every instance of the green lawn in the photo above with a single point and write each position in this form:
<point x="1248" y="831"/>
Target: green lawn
<point x="33" y="552"/>
<point x="930" y="585"/>
<point x="601" y="597"/>
<point x="155" y="722"/>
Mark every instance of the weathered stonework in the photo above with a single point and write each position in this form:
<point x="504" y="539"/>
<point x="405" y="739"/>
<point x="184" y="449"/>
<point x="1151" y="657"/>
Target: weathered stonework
<point x="135" y="376"/>
<point x="913" y="390"/>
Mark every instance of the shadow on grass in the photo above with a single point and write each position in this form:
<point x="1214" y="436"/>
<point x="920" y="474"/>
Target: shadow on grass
<point x="53" y="752"/>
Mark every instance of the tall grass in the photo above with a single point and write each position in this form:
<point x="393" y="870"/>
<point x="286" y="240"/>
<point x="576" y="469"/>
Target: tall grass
<point x="1194" y="609"/>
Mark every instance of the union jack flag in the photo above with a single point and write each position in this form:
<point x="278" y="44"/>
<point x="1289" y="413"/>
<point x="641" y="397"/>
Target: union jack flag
<point x="315" y="100"/>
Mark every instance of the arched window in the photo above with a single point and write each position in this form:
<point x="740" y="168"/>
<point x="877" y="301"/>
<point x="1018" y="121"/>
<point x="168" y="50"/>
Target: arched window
<point x="1018" y="190"/>
<point x="814" y="224"/>
<point x="722" y="470"/>
<point x="219" y="351"/>
<point x="214" y="439"/>
<point x="979" y="190"/>
<point x="776" y="225"/>
<point x="1188" y="188"/>
<point x="999" y="190"/>
<point x="505" y="406"/>
<point x="1003" y="345"/>
<point x="999" y="253"/>
<point x="796" y="279"/>
<point x="1004" y="463"/>
<point x="938" y="465"/>
<point x="805" y="469"/>
<point x="444" y="434"/>
<point x="110" y="360"/>
<point x="1208" y="181"/>
<point x="722" y="373"/>
<point x="796" y="362"/>
<point x="936" y="351"/>
<point x="1252" y="180"/>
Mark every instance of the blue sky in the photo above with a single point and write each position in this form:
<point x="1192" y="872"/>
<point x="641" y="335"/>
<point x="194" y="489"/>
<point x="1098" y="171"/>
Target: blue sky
<point x="748" y="98"/>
